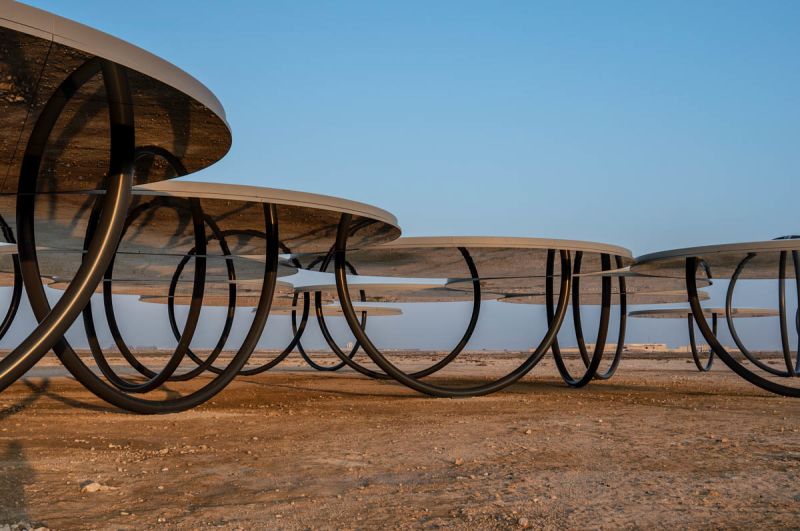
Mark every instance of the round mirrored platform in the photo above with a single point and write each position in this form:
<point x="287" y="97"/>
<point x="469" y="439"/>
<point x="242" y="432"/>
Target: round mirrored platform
<point x="171" y="109"/>
<point x="160" y="229"/>
<point x="494" y="257"/>
<point x="708" y="313"/>
<point x="396" y="292"/>
<point x="722" y="260"/>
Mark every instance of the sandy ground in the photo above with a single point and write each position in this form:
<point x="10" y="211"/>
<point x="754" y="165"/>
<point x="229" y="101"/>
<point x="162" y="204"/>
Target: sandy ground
<point x="659" y="446"/>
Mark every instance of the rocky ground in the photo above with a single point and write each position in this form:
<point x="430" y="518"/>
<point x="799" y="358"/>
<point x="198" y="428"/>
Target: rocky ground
<point x="658" y="446"/>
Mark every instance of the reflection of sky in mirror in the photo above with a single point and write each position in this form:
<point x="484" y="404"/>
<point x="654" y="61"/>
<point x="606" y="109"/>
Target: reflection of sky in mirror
<point x="646" y="125"/>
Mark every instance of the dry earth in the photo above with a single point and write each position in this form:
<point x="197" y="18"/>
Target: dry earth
<point x="658" y="446"/>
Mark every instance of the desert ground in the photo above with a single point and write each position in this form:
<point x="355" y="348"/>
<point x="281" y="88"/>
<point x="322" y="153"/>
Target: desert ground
<point x="658" y="446"/>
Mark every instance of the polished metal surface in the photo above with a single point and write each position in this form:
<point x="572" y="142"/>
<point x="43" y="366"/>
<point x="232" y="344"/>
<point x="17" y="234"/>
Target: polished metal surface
<point x="708" y="313"/>
<point x="336" y="310"/>
<point x="398" y="292"/>
<point x="171" y="109"/>
<point x="721" y="259"/>
<point x="494" y="257"/>
<point x="640" y="289"/>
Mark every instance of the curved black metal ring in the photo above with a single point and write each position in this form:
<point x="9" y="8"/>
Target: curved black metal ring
<point x="340" y="252"/>
<point x="439" y="365"/>
<point x="155" y="379"/>
<point x="171" y="405"/>
<point x="298" y="332"/>
<point x="320" y="316"/>
<point x="623" y="324"/>
<point x="577" y="321"/>
<point x="602" y="332"/>
<point x="54" y="322"/>
<point x="207" y="364"/>
<point x="697" y="310"/>
<point x="732" y="327"/>
<point x="702" y="367"/>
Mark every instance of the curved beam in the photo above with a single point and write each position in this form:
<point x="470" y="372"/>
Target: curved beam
<point x="340" y="252"/>
<point x="602" y="332"/>
<point x="53" y="323"/>
<point x="702" y="367"/>
<point x="694" y="302"/>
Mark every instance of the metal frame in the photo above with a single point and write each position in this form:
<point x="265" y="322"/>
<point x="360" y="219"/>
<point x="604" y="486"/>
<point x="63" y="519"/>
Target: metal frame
<point x="702" y="367"/>
<point x="140" y="405"/>
<point x="591" y="364"/>
<point x="54" y="322"/>
<point x="340" y="252"/>
<point x="324" y="261"/>
<point x="691" y="266"/>
<point x="106" y="227"/>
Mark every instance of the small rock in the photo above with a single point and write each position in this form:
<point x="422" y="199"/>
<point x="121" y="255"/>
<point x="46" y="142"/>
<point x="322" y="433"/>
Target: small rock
<point x="458" y="461"/>
<point x="93" y="486"/>
<point x="528" y="432"/>
<point x="523" y="522"/>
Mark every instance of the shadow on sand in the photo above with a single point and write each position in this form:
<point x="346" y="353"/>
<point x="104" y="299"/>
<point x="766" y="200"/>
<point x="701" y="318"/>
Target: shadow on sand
<point x="15" y="473"/>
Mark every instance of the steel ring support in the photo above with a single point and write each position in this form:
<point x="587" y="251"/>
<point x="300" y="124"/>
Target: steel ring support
<point x="172" y="405"/>
<point x="732" y="327"/>
<point x="207" y="364"/>
<point x="602" y="332"/>
<point x="623" y="323"/>
<point x="716" y="346"/>
<point x="340" y="251"/>
<point x="298" y="331"/>
<point x="53" y="323"/>
<point x="326" y="334"/>
<point x="442" y="363"/>
<point x="702" y="367"/>
<point x="324" y="262"/>
<point x="107" y="292"/>
<point x="282" y="356"/>
<point x="155" y="378"/>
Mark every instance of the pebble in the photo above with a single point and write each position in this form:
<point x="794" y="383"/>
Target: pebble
<point x="523" y="522"/>
<point x="93" y="486"/>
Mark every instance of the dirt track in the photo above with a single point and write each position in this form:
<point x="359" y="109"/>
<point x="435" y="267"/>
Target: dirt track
<point x="660" y="445"/>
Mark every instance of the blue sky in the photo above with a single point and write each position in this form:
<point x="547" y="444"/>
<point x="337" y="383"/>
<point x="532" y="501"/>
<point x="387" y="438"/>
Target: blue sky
<point x="646" y="124"/>
<point x="650" y="125"/>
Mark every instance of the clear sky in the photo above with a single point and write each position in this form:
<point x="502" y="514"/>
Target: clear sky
<point x="645" y="124"/>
